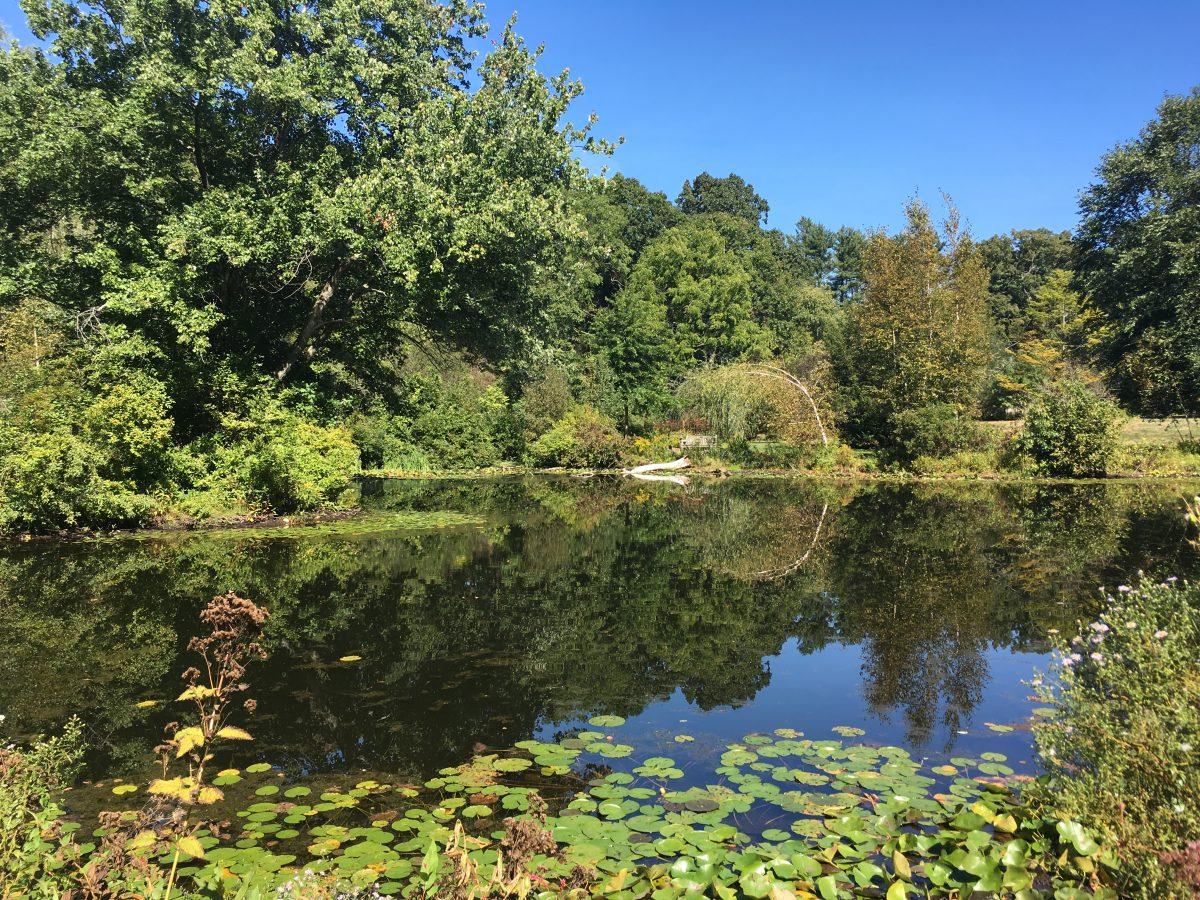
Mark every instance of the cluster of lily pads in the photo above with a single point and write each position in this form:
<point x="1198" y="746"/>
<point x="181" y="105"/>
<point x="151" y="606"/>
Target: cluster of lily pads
<point x="782" y="815"/>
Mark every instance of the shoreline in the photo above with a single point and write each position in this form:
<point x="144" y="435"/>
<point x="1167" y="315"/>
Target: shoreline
<point x="167" y="524"/>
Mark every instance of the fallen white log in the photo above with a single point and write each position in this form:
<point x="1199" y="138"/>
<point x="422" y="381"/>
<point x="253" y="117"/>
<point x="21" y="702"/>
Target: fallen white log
<point x="682" y="463"/>
<point x="681" y="480"/>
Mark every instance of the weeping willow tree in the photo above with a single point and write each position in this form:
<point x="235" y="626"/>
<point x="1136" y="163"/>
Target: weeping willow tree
<point x="745" y="400"/>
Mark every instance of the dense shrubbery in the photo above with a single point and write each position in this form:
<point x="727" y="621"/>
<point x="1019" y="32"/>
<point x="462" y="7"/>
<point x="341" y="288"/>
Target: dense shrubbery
<point x="1070" y="431"/>
<point x="582" y="439"/>
<point x="1122" y="749"/>
<point x="301" y="466"/>
<point x="51" y="481"/>
<point x="937" y="430"/>
<point x="30" y="782"/>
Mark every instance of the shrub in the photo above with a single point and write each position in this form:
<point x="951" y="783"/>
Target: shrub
<point x="1070" y="431"/>
<point x="29" y="780"/>
<point x="129" y="424"/>
<point x="936" y="430"/>
<point x="302" y="466"/>
<point x="961" y="462"/>
<point x="582" y="439"/>
<point x="1120" y="751"/>
<point x="50" y="482"/>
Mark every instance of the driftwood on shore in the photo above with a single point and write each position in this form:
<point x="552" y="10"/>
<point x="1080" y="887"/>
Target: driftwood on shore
<point x="648" y="471"/>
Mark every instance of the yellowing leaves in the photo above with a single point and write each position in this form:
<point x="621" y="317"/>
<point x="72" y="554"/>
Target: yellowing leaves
<point x="197" y="692"/>
<point x="191" y="846"/>
<point x="209" y="795"/>
<point x="188" y="739"/>
<point x="233" y="733"/>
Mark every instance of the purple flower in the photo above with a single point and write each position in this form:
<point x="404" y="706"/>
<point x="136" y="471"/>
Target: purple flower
<point x="1097" y="657"/>
<point x="1099" y="626"/>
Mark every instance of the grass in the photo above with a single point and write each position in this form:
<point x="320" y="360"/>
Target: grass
<point x="1135" y="432"/>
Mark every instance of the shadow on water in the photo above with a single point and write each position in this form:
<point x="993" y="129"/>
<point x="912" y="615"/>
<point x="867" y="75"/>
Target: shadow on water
<point x="917" y="605"/>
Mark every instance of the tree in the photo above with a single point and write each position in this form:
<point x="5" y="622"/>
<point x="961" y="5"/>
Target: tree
<point x="822" y="256"/>
<point x="621" y="217"/>
<point x="918" y="336"/>
<point x="730" y="195"/>
<point x="1138" y="259"/>
<point x="1019" y="264"/>
<point x="641" y="349"/>
<point x="1053" y="341"/>
<point x="287" y="193"/>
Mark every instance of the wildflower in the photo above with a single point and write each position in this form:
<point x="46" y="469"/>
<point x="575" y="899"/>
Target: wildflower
<point x="1097" y="656"/>
<point x="1185" y="747"/>
<point x="1124" y="589"/>
<point x="1171" y="579"/>
<point x="1131" y="624"/>
<point x="1160" y="634"/>
<point x="1099" y="627"/>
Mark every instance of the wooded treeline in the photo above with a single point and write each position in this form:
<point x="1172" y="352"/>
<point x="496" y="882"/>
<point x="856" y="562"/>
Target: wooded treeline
<point x="246" y="249"/>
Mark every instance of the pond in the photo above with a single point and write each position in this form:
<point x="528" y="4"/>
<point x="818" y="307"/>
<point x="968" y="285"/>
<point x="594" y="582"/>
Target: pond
<point x="459" y="615"/>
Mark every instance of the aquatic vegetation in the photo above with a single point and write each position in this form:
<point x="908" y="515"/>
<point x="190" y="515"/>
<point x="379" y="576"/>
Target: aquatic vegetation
<point x="779" y="812"/>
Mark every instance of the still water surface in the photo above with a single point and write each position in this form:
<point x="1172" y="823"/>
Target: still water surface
<point x="915" y="612"/>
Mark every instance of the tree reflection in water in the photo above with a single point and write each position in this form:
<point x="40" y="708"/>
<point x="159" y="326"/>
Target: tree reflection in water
<point x="575" y="596"/>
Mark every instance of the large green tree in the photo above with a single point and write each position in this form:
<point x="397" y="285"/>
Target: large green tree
<point x="918" y="336"/>
<point x="731" y="195"/>
<point x="288" y="192"/>
<point x="1138" y="261"/>
<point x="727" y="293"/>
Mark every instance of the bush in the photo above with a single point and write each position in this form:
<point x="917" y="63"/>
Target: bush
<point x="302" y="466"/>
<point x="1120" y="751"/>
<point x="1070" y="431"/>
<point x="50" y="482"/>
<point x="582" y="439"/>
<point x="962" y="462"/>
<point x="29" y="780"/>
<point x="936" y="430"/>
<point x="128" y="422"/>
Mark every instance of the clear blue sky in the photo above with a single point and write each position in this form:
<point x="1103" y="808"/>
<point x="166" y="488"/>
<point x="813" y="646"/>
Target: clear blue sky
<point x="841" y="110"/>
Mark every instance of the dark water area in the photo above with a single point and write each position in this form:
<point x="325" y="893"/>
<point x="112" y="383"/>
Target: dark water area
<point x="915" y="612"/>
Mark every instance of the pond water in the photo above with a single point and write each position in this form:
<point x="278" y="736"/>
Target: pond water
<point x="486" y="612"/>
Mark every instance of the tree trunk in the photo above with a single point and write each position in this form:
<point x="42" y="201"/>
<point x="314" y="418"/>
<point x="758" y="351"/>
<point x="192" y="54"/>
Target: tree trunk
<point x="302" y="348"/>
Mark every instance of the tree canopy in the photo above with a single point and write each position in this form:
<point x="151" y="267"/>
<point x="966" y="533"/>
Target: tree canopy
<point x="1138" y="256"/>
<point x="918" y="337"/>
<point x="730" y="195"/>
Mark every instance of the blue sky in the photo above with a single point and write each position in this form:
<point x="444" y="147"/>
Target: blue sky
<point x="841" y="110"/>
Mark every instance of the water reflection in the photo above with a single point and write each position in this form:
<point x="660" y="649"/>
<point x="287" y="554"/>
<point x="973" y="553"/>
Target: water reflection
<point x="578" y="597"/>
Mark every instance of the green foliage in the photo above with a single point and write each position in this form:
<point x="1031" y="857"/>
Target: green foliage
<point x="1070" y="431"/>
<point x="1019" y="264"/>
<point x="825" y="257"/>
<point x="298" y="465"/>
<point x="1120" y="749"/>
<point x="918" y="336"/>
<point x="582" y="439"/>
<point x="730" y="195"/>
<point x="30" y="783"/>
<point x="544" y="400"/>
<point x="933" y="431"/>
<point x="51" y="481"/>
<point x="1138" y="265"/>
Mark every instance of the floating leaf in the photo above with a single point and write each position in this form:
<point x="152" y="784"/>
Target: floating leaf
<point x="606" y="721"/>
<point x="351" y="658"/>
